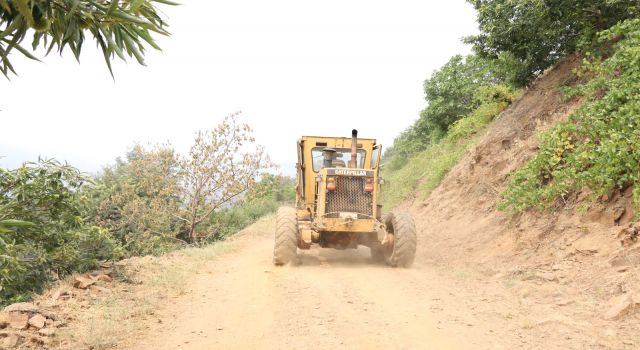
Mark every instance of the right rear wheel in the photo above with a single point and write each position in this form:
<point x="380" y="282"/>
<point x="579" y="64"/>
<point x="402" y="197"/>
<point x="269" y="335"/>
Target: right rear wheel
<point x="285" y="247"/>
<point x="403" y="229"/>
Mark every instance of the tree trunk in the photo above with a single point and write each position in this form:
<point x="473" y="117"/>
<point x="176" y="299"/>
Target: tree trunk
<point x="194" y="212"/>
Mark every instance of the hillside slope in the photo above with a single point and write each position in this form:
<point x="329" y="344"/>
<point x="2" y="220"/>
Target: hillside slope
<point x="566" y="265"/>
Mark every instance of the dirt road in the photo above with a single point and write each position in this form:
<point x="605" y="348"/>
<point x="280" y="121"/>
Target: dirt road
<point x="340" y="299"/>
<point x="331" y="299"/>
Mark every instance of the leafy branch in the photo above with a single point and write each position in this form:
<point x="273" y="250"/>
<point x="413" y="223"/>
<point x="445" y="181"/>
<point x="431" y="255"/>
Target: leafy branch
<point x="119" y="27"/>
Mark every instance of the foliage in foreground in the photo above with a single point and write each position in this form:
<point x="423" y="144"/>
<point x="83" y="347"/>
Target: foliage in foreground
<point x="42" y="227"/>
<point x="55" y="221"/>
<point x="137" y="200"/>
<point x="598" y="148"/>
<point x="118" y="27"/>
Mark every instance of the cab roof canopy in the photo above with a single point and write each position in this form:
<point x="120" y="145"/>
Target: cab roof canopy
<point x="338" y="142"/>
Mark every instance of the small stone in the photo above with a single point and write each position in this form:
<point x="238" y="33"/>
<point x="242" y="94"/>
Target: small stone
<point x="101" y="289"/>
<point x="564" y="302"/>
<point x="35" y="340"/>
<point x="58" y="294"/>
<point x="64" y="295"/>
<point x="48" y="314"/>
<point x="18" y="320"/>
<point x="104" y="278"/>
<point x="21" y="307"/>
<point x="618" y="212"/>
<point x="622" y="268"/>
<point x="10" y="341"/>
<point x="556" y="267"/>
<point x="621" y="306"/>
<point x="47" y="332"/>
<point x="546" y="276"/>
<point x="83" y="282"/>
<point x="37" y="321"/>
<point x="4" y="320"/>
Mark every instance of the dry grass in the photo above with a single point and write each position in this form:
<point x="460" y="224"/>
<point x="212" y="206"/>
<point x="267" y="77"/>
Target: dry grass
<point x="140" y="290"/>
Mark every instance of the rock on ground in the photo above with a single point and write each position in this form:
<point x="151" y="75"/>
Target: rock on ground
<point x="21" y="307"/>
<point x="37" y="321"/>
<point x="621" y="306"/>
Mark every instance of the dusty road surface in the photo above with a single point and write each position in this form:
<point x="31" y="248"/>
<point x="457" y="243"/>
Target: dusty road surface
<point x="237" y="299"/>
<point x="330" y="299"/>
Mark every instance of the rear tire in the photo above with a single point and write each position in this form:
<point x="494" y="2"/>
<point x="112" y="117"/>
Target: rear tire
<point x="403" y="228"/>
<point x="285" y="247"/>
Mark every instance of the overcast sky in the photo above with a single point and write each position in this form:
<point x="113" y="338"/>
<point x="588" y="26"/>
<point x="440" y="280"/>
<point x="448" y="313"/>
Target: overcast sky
<point x="293" y="67"/>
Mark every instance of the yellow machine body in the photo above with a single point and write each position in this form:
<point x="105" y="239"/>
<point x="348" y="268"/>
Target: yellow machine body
<point x="337" y="200"/>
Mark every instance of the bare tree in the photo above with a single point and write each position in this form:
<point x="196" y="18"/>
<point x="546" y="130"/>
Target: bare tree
<point x="222" y="164"/>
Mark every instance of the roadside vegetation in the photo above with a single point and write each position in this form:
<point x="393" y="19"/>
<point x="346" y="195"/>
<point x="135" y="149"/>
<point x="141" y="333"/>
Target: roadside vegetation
<point x="418" y="173"/>
<point x="55" y="220"/>
<point x="598" y="148"/>
<point x="595" y="150"/>
<point x="118" y="28"/>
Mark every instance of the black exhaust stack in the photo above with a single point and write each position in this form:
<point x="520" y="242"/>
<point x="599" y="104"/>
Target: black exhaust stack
<point x="354" y="149"/>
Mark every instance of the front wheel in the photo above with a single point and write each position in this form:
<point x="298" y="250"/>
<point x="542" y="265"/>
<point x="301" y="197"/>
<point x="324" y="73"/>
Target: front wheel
<point x="403" y="229"/>
<point x="285" y="247"/>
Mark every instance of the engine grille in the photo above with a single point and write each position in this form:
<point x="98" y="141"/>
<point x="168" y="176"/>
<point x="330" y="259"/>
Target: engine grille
<point x="349" y="196"/>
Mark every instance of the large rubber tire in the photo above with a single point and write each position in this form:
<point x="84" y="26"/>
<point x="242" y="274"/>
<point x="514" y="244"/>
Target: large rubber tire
<point x="403" y="228"/>
<point x="285" y="247"/>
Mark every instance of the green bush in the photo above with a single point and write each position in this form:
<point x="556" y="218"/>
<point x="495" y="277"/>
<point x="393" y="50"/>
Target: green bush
<point x="452" y="92"/>
<point x="138" y="199"/>
<point x="598" y="148"/>
<point x="536" y="33"/>
<point x="55" y="221"/>
<point x="423" y="172"/>
<point x="44" y="235"/>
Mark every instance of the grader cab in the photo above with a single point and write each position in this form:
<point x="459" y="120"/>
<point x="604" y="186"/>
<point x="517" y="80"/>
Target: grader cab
<point x="337" y="190"/>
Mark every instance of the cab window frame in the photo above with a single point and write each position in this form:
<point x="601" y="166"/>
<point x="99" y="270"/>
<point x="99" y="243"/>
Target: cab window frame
<point x="317" y="166"/>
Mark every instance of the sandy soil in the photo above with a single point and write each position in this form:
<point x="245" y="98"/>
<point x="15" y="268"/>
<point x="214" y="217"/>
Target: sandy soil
<point x="340" y="299"/>
<point x="330" y="299"/>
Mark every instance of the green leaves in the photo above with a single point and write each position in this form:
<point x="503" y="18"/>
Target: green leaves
<point x="138" y="200"/>
<point x="42" y="228"/>
<point x="538" y="33"/>
<point x="54" y="220"/>
<point x="10" y="225"/>
<point x="452" y="92"/>
<point x="117" y="26"/>
<point x="599" y="147"/>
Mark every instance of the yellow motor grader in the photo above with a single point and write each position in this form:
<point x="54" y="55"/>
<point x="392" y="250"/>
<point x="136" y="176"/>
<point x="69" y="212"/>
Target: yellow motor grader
<point x="337" y="190"/>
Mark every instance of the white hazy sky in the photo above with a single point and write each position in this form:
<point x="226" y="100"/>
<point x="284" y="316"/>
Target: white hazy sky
<point x="293" y="67"/>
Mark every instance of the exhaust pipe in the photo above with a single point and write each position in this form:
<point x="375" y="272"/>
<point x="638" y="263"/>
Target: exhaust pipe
<point x="354" y="149"/>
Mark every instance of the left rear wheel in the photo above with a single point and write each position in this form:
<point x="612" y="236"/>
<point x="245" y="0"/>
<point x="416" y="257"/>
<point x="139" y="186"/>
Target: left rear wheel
<point x="285" y="248"/>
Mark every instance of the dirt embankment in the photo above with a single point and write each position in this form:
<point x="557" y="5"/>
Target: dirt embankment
<point x="571" y="273"/>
